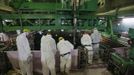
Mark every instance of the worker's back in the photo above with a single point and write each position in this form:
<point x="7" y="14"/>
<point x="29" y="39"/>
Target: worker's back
<point x="96" y="36"/>
<point x="64" y="46"/>
<point x="48" y="46"/>
<point x="86" y="40"/>
<point x="23" y="46"/>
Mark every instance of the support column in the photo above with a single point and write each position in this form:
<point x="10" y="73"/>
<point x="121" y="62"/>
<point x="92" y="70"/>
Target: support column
<point x="74" y="21"/>
<point x="1" y="25"/>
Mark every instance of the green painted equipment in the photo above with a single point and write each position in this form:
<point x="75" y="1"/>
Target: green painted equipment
<point x="123" y="65"/>
<point x="131" y="33"/>
<point x="120" y="65"/>
<point x="51" y="15"/>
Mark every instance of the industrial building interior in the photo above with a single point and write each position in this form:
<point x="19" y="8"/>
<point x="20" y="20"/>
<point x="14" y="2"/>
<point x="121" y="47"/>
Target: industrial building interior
<point x="114" y="19"/>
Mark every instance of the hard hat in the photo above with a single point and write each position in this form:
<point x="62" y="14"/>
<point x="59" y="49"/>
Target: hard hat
<point x="60" y="38"/>
<point x="26" y="30"/>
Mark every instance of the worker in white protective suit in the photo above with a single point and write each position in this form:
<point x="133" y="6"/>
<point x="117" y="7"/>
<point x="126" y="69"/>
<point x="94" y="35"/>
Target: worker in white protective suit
<point x="96" y="38"/>
<point x="24" y="52"/>
<point x="3" y="37"/>
<point x="86" y="41"/>
<point x="65" y="48"/>
<point x="48" y="51"/>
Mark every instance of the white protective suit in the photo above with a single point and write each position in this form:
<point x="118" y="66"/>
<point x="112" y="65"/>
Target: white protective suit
<point x="96" y="38"/>
<point x="65" y="48"/>
<point x="25" y="56"/>
<point x="86" y="41"/>
<point x="3" y="37"/>
<point x="48" y="51"/>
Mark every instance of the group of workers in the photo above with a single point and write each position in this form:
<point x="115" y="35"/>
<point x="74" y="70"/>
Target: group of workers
<point x="91" y="43"/>
<point x="48" y="51"/>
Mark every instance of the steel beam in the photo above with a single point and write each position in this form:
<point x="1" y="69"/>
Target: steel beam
<point x="28" y="16"/>
<point x="121" y="11"/>
<point x="6" y="8"/>
<point x="40" y="27"/>
<point x="41" y="6"/>
<point x="1" y="25"/>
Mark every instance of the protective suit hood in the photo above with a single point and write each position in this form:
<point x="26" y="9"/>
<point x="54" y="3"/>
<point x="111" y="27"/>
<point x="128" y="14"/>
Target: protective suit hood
<point x="95" y="31"/>
<point x="64" y="46"/>
<point x="86" y="40"/>
<point x="96" y="36"/>
<point x="48" y="35"/>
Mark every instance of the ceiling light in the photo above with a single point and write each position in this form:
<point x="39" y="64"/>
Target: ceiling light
<point x="128" y="20"/>
<point x="62" y="30"/>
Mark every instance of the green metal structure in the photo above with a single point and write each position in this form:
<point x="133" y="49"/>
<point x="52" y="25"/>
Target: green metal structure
<point x="51" y="15"/>
<point x="70" y="15"/>
<point x="123" y="65"/>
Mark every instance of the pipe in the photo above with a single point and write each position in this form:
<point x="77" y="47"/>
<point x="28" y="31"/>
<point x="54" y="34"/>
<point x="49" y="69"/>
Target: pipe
<point x="120" y="11"/>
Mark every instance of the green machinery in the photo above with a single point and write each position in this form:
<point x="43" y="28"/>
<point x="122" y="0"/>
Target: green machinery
<point x="69" y="15"/>
<point x="45" y="15"/>
<point x="51" y="15"/>
<point x="123" y="65"/>
<point x="72" y="15"/>
<point x="120" y="65"/>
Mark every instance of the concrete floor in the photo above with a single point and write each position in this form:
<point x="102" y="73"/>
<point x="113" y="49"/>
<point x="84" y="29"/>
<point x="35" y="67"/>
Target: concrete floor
<point x="98" y="71"/>
<point x="95" y="71"/>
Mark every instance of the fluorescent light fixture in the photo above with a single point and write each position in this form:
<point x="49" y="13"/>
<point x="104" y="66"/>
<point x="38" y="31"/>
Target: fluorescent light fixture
<point x="78" y="30"/>
<point x="119" y="24"/>
<point x="70" y="34"/>
<point x="62" y="22"/>
<point x="49" y="30"/>
<point x="100" y="20"/>
<point x="62" y="30"/>
<point x="128" y="20"/>
<point x="8" y="20"/>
